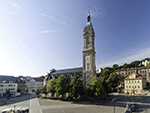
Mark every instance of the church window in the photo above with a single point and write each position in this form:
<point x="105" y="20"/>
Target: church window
<point x="87" y="40"/>
<point x="87" y="66"/>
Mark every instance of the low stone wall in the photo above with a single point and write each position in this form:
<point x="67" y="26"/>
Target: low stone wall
<point x="2" y="103"/>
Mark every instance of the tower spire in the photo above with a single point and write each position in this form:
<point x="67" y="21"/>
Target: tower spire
<point x="88" y="9"/>
<point x="89" y="17"/>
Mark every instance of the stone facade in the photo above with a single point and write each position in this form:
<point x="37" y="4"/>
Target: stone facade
<point x="135" y="83"/>
<point x="89" y="69"/>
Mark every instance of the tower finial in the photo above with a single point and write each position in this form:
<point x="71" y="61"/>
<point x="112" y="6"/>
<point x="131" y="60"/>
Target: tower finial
<point x="88" y="9"/>
<point x="88" y="17"/>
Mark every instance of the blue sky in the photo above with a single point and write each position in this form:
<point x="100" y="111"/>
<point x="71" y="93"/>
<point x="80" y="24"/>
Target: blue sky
<point x="38" y="35"/>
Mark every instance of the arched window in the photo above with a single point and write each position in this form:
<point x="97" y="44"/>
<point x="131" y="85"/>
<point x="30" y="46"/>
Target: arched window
<point x="87" y="66"/>
<point x="87" y="39"/>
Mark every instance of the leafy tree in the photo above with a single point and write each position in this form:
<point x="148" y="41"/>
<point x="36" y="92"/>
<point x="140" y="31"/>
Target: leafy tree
<point x="76" y="86"/>
<point x="96" y="89"/>
<point x="134" y="64"/>
<point x="125" y="66"/>
<point x="44" y="90"/>
<point x="8" y="94"/>
<point x="105" y="73"/>
<point x="121" y="77"/>
<point x="51" y="86"/>
<point x="115" y="67"/>
<point x="113" y="80"/>
<point x="62" y="86"/>
<point x="37" y="91"/>
<point x="106" y="87"/>
<point x="42" y="76"/>
<point x="120" y="67"/>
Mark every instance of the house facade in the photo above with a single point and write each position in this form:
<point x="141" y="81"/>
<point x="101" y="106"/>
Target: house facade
<point x="135" y="83"/>
<point x="39" y="83"/>
<point x="30" y="85"/>
<point x="21" y="85"/>
<point x="7" y="83"/>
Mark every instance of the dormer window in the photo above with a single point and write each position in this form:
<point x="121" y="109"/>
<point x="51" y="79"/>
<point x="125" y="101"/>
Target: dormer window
<point x="87" y="39"/>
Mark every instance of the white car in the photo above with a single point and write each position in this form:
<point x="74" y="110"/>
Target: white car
<point x="17" y="110"/>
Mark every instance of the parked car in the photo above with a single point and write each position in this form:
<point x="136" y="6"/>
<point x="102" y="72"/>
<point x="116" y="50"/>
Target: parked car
<point x="135" y="105"/>
<point x="17" y="110"/>
<point x="16" y="95"/>
<point x="128" y="111"/>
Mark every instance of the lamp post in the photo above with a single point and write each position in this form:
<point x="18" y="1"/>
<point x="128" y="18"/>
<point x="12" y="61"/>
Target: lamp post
<point x="14" y="108"/>
<point x="114" y="99"/>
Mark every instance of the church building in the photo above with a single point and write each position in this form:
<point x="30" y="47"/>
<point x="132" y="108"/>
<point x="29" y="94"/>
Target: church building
<point x="89" y="69"/>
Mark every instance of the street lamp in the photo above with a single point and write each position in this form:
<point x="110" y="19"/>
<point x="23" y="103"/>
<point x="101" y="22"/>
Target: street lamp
<point x="14" y="107"/>
<point x="114" y="99"/>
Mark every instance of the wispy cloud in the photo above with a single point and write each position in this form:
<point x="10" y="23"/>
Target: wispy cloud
<point x="12" y="13"/>
<point x="15" y="5"/>
<point x="141" y="54"/>
<point x="15" y="9"/>
<point x="55" y="19"/>
<point x="42" y="32"/>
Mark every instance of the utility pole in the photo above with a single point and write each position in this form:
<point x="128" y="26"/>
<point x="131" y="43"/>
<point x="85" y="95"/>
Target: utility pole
<point x="114" y="99"/>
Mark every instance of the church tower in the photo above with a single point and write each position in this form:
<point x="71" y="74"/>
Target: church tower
<point x="89" y="69"/>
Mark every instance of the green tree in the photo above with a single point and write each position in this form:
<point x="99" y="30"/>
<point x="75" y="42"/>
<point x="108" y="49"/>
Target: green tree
<point x="96" y="89"/>
<point x="62" y="86"/>
<point x="44" y="90"/>
<point x="8" y="94"/>
<point x="134" y="64"/>
<point x="113" y="81"/>
<point x="125" y="66"/>
<point x="105" y="73"/>
<point x="76" y="86"/>
<point x="115" y="67"/>
<point x="51" y="86"/>
<point x="106" y="87"/>
<point x="37" y="91"/>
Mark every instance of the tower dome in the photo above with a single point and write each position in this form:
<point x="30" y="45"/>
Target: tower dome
<point x="88" y="24"/>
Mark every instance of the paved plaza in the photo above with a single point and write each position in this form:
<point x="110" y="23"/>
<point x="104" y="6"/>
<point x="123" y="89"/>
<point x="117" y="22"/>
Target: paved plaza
<point x="38" y="105"/>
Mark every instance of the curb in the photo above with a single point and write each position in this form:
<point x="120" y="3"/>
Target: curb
<point x="2" y="103"/>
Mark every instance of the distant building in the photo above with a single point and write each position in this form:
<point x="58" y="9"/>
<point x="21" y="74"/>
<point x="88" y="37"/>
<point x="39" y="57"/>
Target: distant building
<point x="145" y="63"/>
<point x="135" y="83"/>
<point x="38" y="82"/>
<point x="99" y="70"/>
<point x="140" y="70"/>
<point x="45" y="80"/>
<point x="21" y="85"/>
<point x="7" y="83"/>
<point x="30" y="85"/>
<point x="22" y="78"/>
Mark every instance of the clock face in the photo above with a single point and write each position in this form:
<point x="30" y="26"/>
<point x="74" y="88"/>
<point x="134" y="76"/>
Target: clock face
<point x="87" y="58"/>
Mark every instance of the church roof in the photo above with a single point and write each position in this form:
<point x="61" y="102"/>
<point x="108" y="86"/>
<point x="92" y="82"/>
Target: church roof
<point x="67" y="71"/>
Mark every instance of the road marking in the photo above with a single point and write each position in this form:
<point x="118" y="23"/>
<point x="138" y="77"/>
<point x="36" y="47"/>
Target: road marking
<point x="41" y="111"/>
<point x="37" y="102"/>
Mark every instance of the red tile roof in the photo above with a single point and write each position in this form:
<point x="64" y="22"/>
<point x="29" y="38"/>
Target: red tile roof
<point x="133" y="68"/>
